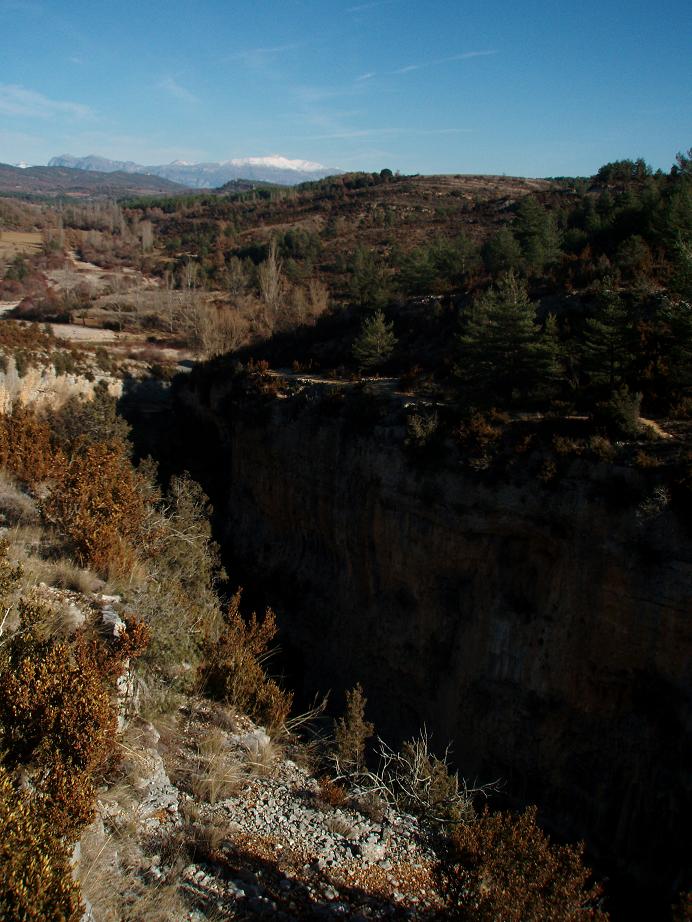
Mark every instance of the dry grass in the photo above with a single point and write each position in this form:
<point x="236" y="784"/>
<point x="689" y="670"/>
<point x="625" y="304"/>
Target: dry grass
<point x="67" y="575"/>
<point x="16" y="506"/>
<point x="263" y="759"/>
<point x="202" y="836"/>
<point x="339" y="825"/>
<point x="219" y="772"/>
<point x="12" y="243"/>
<point x="224" y="718"/>
<point x="116" y="888"/>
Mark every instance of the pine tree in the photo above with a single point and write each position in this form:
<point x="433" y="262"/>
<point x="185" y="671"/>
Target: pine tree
<point x="536" y="233"/>
<point x="501" y="252"/>
<point x="375" y="342"/>
<point x="608" y="347"/>
<point x="502" y="348"/>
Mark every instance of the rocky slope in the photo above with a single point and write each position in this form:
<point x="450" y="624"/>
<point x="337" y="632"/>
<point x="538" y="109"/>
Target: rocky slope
<point x="209" y="818"/>
<point x="546" y="631"/>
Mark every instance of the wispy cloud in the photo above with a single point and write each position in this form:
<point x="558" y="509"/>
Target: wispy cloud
<point x="409" y="68"/>
<point x="20" y="101"/>
<point x="353" y="133"/>
<point x="453" y="57"/>
<point x="369" y="6"/>
<point x="173" y="88"/>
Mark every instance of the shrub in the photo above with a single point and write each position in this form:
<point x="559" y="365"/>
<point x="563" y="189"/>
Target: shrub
<point x="52" y="697"/>
<point x="234" y="669"/>
<point x="620" y="413"/>
<point x="178" y="599"/>
<point x="98" y="502"/>
<point x="375" y="342"/>
<point x="25" y="445"/>
<point x="602" y="448"/>
<point x="95" y="420"/>
<point x="421" y="429"/>
<point x="35" y="875"/>
<point x="415" y="780"/>
<point x="507" y="869"/>
<point x="351" y="731"/>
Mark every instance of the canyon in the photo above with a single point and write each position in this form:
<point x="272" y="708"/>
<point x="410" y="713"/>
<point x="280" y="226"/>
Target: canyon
<point x="542" y="629"/>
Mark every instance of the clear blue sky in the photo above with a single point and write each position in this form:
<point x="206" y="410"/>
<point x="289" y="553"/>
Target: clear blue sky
<point x="536" y="88"/>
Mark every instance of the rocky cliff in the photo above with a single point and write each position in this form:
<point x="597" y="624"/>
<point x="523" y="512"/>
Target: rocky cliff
<point x="545" y="630"/>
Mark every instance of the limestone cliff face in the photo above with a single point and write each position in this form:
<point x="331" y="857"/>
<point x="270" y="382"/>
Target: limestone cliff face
<point x="542" y="631"/>
<point x="43" y="386"/>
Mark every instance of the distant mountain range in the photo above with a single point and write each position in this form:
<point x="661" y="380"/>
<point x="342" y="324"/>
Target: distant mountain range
<point x="56" y="181"/>
<point x="274" y="169"/>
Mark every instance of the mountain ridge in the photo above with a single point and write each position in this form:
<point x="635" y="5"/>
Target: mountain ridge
<point x="275" y="168"/>
<point x="56" y="181"/>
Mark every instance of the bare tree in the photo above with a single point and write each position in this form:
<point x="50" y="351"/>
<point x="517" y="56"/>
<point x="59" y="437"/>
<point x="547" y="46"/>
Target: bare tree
<point x="215" y="330"/>
<point x="271" y="281"/>
<point x="146" y="229"/>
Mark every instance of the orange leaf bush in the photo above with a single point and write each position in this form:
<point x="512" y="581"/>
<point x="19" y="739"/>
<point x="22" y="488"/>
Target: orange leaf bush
<point x="234" y="671"/>
<point x="507" y="870"/>
<point x="99" y="502"/>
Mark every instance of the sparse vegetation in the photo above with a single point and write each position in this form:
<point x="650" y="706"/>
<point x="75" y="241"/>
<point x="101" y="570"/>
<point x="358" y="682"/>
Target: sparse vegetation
<point x="233" y="668"/>
<point x="351" y="732"/>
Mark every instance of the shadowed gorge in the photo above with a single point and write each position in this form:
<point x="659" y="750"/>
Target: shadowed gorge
<point x="541" y="627"/>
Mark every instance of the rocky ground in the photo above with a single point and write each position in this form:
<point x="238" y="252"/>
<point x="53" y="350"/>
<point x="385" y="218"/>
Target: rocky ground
<point x="208" y="818"/>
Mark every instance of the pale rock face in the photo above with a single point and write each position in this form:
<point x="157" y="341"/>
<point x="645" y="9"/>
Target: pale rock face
<point x="43" y="387"/>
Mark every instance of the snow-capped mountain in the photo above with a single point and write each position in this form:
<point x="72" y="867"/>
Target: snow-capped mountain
<point x="276" y="169"/>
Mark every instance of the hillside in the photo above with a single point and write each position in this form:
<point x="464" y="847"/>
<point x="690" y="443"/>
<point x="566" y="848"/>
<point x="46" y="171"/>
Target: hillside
<point x="54" y="181"/>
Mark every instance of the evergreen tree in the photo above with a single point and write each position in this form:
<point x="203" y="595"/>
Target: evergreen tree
<point x="608" y="347"/>
<point x="502" y="348"/>
<point x="375" y="342"/>
<point x="368" y="283"/>
<point x="501" y="252"/>
<point x="536" y="233"/>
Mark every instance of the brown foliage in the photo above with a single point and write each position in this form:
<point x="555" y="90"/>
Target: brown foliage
<point x="25" y="445"/>
<point x="352" y="730"/>
<point x="234" y="669"/>
<point x="507" y="870"/>
<point x="330" y="794"/>
<point x="99" y="503"/>
<point x="53" y="699"/>
<point x="35" y="875"/>
<point x="14" y="335"/>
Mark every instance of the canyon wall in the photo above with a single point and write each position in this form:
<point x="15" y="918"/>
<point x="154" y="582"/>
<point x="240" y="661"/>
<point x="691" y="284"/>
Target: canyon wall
<point x="544" y="630"/>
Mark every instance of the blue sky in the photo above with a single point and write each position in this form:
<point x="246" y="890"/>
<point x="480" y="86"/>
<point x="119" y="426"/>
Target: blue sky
<point x="535" y="88"/>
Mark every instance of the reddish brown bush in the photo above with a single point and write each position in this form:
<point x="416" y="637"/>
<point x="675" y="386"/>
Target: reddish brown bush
<point x="234" y="669"/>
<point x="35" y="875"/>
<point x="99" y="502"/>
<point x="25" y="445"/>
<point x="507" y="870"/>
<point x="53" y="699"/>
